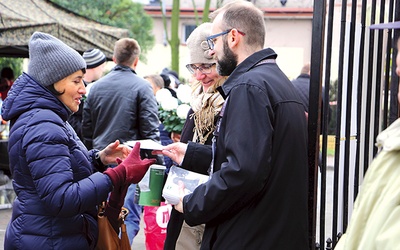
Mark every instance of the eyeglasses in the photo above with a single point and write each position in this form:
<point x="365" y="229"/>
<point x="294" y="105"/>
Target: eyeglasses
<point x="211" y="39"/>
<point x="204" y="68"/>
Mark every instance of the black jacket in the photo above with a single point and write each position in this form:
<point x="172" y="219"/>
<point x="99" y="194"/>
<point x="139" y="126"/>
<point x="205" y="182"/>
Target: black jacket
<point x="257" y="196"/>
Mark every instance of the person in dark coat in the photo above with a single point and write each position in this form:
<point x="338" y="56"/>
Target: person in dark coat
<point x="257" y="195"/>
<point x="302" y="85"/>
<point x="58" y="182"/>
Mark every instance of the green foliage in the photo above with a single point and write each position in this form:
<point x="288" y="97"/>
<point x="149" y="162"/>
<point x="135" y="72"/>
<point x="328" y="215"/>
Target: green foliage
<point x="206" y="12"/>
<point x="14" y="63"/>
<point x="171" y="121"/>
<point x="118" y="13"/>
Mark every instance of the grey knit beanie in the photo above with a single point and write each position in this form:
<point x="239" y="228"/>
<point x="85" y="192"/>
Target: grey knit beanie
<point x="51" y="60"/>
<point x="94" y="58"/>
<point x="199" y="52"/>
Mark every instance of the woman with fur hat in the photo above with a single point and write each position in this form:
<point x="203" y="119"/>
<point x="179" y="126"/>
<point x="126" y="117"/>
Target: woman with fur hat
<point x="58" y="182"/>
<point x="206" y="103"/>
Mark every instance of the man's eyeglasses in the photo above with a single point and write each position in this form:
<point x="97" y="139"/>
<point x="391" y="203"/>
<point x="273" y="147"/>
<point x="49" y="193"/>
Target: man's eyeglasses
<point x="204" y="68"/>
<point x="211" y="39"/>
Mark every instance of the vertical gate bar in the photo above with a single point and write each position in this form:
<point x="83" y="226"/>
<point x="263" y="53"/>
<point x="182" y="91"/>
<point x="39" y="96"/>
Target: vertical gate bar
<point x="360" y="96"/>
<point x="328" y="62"/>
<point x="315" y="111"/>
<point x="378" y="79"/>
<point x="369" y="90"/>
<point x="348" y="114"/>
<point x="338" y="116"/>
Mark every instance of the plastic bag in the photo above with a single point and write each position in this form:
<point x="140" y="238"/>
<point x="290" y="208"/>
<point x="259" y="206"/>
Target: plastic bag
<point x="155" y="229"/>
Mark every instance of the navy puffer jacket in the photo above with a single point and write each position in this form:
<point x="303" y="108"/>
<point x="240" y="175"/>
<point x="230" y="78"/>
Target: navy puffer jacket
<point x="57" y="191"/>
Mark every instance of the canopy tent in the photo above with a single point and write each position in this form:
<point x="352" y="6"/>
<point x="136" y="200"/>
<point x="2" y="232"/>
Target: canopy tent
<point x="20" y="18"/>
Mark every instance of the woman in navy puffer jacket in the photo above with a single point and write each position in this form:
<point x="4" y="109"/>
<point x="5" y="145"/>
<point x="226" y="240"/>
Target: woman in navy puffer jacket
<point x="54" y="176"/>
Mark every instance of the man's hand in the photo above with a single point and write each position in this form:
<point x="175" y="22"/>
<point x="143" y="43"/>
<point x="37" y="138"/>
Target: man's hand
<point x="176" y="151"/>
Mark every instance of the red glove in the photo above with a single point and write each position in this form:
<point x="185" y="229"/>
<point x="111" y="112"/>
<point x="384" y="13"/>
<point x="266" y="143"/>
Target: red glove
<point x="131" y="170"/>
<point x="117" y="196"/>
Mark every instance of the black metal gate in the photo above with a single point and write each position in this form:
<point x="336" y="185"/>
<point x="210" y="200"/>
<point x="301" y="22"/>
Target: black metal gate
<point x="366" y="98"/>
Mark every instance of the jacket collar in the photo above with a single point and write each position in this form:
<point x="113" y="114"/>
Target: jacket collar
<point x="249" y="63"/>
<point x="306" y="76"/>
<point x="124" y="68"/>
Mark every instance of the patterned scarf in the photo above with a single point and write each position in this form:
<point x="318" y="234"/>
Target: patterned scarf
<point x="206" y="107"/>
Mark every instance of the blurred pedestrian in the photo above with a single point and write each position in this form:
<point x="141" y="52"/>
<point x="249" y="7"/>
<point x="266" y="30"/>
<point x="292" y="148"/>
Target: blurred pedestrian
<point x="167" y="81"/>
<point x="302" y="85"/>
<point x="157" y="83"/>
<point x="96" y="63"/>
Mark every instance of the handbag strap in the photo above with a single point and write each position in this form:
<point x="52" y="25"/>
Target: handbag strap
<point x="123" y="214"/>
<point x="101" y="209"/>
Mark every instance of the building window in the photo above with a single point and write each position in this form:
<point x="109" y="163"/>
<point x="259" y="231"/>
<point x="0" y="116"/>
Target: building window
<point x="154" y="2"/>
<point x="188" y="30"/>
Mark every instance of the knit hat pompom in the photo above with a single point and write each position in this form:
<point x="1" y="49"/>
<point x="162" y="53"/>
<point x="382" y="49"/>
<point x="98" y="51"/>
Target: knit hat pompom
<point x="94" y="58"/>
<point x="51" y="60"/>
<point x="199" y="52"/>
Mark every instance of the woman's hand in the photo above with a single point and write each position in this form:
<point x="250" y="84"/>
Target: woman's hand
<point x="113" y="151"/>
<point x="176" y="151"/>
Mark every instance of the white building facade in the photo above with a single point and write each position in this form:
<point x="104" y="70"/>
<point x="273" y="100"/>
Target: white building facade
<point x="288" y="32"/>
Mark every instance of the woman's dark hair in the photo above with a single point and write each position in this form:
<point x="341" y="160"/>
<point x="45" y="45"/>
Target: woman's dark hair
<point x="55" y="92"/>
<point x="8" y="73"/>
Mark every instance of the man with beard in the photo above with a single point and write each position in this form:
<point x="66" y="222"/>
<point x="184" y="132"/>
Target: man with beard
<point x="256" y="197"/>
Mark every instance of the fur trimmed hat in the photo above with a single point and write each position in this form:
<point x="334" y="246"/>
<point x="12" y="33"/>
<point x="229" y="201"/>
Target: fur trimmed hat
<point x="94" y="58"/>
<point x="51" y="60"/>
<point x="199" y="52"/>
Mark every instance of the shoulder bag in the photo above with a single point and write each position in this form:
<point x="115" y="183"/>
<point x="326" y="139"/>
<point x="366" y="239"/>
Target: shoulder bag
<point x="108" y="238"/>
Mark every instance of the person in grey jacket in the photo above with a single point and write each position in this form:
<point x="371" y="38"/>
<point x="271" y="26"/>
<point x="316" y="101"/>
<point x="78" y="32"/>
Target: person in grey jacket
<point x="59" y="182"/>
<point x="121" y="106"/>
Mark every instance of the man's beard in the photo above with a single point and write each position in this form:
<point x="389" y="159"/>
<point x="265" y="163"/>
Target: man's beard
<point x="228" y="63"/>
